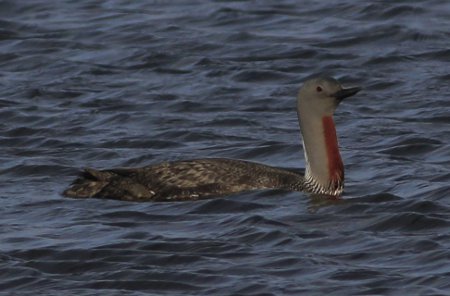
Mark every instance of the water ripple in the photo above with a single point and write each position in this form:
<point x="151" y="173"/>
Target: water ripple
<point x="109" y="83"/>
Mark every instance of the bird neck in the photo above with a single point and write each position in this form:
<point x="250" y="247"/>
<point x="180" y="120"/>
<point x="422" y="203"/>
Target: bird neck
<point x="324" y="168"/>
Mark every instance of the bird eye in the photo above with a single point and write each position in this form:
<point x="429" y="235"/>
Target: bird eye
<point x="319" y="89"/>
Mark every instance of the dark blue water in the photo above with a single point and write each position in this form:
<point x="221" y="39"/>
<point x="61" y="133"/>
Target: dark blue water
<point x="129" y="83"/>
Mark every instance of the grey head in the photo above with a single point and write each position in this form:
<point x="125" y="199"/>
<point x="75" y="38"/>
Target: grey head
<point x="322" y="95"/>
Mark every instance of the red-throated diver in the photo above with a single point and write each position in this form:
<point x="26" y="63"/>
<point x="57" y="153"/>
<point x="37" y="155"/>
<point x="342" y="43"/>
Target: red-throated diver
<point x="203" y="178"/>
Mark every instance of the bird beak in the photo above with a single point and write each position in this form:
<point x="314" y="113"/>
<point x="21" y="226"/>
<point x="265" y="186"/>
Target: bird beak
<point x="346" y="92"/>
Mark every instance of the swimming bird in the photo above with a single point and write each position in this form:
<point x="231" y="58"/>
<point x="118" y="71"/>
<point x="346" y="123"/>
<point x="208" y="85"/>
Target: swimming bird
<point x="195" y="179"/>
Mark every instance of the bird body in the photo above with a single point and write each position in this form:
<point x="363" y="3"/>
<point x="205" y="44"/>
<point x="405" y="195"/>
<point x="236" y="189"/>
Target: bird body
<point x="183" y="180"/>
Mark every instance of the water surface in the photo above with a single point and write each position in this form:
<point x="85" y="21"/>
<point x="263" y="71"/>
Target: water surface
<point x="129" y="83"/>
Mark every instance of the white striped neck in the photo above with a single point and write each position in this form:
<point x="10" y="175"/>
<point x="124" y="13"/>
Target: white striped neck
<point x="324" y="167"/>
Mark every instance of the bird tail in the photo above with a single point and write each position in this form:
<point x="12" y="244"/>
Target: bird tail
<point x="89" y="183"/>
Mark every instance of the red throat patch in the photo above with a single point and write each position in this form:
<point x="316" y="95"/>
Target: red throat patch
<point x="335" y="165"/>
